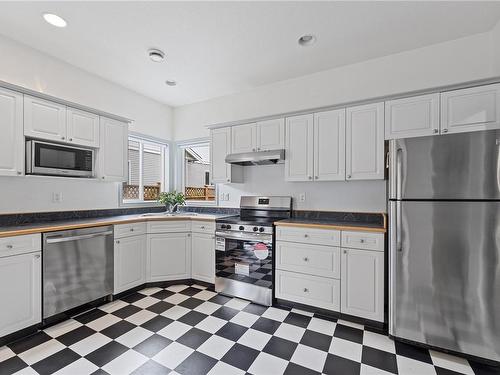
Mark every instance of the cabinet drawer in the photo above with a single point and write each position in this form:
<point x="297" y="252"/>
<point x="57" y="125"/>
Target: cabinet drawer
<point x="311" y="259"/>
<point x="169" y="226"/>
<point x="203" y="226"/>
<point x="363" y="240"/>
<point x="308" y="235"/>
<point x="20" y="244"/>
<point x="127" y="230"/>
<point x="309" y="290"/>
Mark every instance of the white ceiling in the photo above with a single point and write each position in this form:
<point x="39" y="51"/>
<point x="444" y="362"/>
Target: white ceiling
<point x="215" y="48"/>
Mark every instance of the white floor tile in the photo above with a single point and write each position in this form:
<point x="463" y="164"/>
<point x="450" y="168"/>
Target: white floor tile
<point x="79" y="367"/>
<point x="141" y="317"/>
<point x="302" y="312"/>
<point x="173" y="355"/>
<point x="205" y="295"/>
<point x="350" y="324"/>
<point x="451" y="362"/>
<point x="222" y="368"/>
<point x="369" y="370"/>
<point x="211" y="324"/>
<point x="177" y="288"/>
<point x="175" y="312"/>
<point x="146" y="302"/>
<point x="346" y="349"/>
<point x="149" y="291"/>
<point x="41" y="351"/>
<point x="322" y="326"/>
<point x="198" y="286"/>
<point x="266" y="364"/>
<point x="176" y="298"/>
<point x="113" y="306"/>
<point x="309" y="357"/>
<point x="174" y="330"/>
<point x="275" y="314"/>
<point x="6" y="353"/>
<point x="125" y="363"/>
<point x="89" y="344"/>
<point x="216" y="347"/>
<point x="134" y="337"/>
<point x="207" y="308"/>
<point x="26" y="371"/>
<point x="103" y="322"/>
<point x="236" y="303"/>
<point x="254" y="339"/>
<point x="378" y="341"/>
<point x="410" y="366"/>
<point x="62" y="328"/>
<point x="244" y="319"/>
<point x="290" y="332"/>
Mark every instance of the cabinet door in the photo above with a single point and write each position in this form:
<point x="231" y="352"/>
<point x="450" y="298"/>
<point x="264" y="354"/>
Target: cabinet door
<point x="329" y="145"/>
<point x="20" y="277"/>
<point x="220" y="146"/>
<point x="203" y="266"/>
<point x="417" y="116"/>
<point x="44" y="119"/>
<point x="362" y="284"/>
<point x="365" y="142"/>
<point x="113" y="151"/>
<point x="472" y="109"/>
<point x="82" y="127"/>
<point x="299" y="148"/>
<point x="271" y="134"/>
<point x="12" y="140"/>
<point x="168" y="256"/>
<point x="130" y="262"/>
<point x="244" y="138"/>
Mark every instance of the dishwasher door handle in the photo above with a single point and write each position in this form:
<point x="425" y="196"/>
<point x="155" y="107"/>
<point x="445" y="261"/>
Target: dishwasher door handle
<point x="76" y="238"/>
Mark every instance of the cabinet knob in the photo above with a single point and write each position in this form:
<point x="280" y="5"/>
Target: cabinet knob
<point x="37" y="256"/>
<point x="19" y="172"/>
<point x="71" y="139"/>
<point x="310" y="177"/>
<point x="345" y="251"/>
<point x="202" y="227"/>
<point x="63" y="138"/>
<point x="9" y="246"/>
<point x="306" y="259"/>
<point x="227" y="180"/>
<point x="213" y="237"/>
<point x="362" y="240"/>
<point x="445" y="130"/>
<point x="435" y="131"/>
<point x="306" y="235"/>
<point x="348" y="176"/>
<point x="306" y="290"/>
<point x="253" y="149"/>
<point x="189" y="235"/>
<point x="102" y="177"/>
<point x="258" y="148"/>
<point x="117" y="241"/>
<point x="131" y="229"/>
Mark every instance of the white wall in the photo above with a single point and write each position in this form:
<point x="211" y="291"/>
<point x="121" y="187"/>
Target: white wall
<point x="27" y="67"/>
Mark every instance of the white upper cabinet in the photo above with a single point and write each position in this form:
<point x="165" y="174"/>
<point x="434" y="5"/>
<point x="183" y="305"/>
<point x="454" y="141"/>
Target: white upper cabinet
<point x="82" y="127"/>
<point x="329" y="145"/>
<point x="271" y="134"/>
<point x="416" y="116"/>
<point x="299" y="146"/>
<point x="472" y="109"/>
<point x="365" y="142"/>
<point x="44" y="119"/>
<point x="244" y="138"/>
<point x="12" y="140"/>
<point x="220" y="147"/>
<point x="113" y="153"/>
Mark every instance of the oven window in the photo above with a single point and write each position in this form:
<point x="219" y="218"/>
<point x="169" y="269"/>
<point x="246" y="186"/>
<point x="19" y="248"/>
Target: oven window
<point x="246" y="261"/>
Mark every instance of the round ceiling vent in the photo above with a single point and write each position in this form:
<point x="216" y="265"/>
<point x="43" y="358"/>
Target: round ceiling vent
<point x="307" y="40"/>
<point x="156" y="55"/>
<point x="171" y="83"/>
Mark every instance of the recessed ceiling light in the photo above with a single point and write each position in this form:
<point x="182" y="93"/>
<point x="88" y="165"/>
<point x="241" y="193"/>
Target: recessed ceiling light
<point x="307" y="40"/>
<point x="171" y="83"/>
<point x="54" y="20"/>
<point x="156" y="55"/>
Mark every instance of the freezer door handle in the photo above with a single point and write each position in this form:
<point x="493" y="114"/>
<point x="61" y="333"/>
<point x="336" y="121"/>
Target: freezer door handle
<point x="399" y="243"/>
<point x="399" y="173"/>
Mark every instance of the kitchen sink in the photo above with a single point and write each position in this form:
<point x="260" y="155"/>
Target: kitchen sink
<point x="149" y="214"/>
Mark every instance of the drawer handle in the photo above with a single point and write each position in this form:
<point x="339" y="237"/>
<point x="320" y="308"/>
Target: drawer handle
<point x="306" y="259"/>
<point x="306" y="290"/>
<point x="9" y="246"/>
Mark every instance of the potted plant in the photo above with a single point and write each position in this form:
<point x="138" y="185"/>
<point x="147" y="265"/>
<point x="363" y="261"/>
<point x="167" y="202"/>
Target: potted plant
<point x="171" y="200"/>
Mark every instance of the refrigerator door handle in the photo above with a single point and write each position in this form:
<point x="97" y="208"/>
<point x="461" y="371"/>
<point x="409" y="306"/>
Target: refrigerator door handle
<point x="399" y="173"/>
<point x="399" y="243"/>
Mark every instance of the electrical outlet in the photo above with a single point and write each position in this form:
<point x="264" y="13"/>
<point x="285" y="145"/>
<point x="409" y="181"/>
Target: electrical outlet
<point x="57" y="197"/>
<point x="226" y="197"/>
<point x="302" y="197"/>
<point x="221" y="196"/>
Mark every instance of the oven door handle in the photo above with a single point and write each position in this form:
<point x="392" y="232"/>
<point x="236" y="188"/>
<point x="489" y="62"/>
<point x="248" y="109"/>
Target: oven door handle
<point x="246" y="237"/>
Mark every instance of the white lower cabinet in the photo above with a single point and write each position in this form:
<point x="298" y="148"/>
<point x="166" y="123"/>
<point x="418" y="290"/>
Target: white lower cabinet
<point x="130" y="262"/>
<point x="203" y="256"/>
<point x="362" y="280"/>
<point x="20" y="276"/>
<point x="168" y="256"/>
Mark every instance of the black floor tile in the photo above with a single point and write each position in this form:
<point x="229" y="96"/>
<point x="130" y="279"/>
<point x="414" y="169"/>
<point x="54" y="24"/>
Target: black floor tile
<point x="266" y="325"/>
<point x="191" y="303"/>
<point x="445" y="371"/>
<point x="280" y="347"/>
<point x="196" y="364"/>
<point x="118" y="329"/>
<point x="349" y="333"/>
<point x="157" y="323"/>
<point x="162" y="294"/>
<point x="294" y="369"/>
<point x="160" y="307"/>
<point x="316" y="340"/>
<point x="380" y="359"/>
<point x="240" y="356"/>
<point x="255" y="309"/>
<point x="90" y="316"/>
<point x="194" y="338"/>
<point x="190" y="291"/>
<point x="126" y="311"/>
<point x="151" y="368"/>
<point x="152" y="345"/>
<point x="134" y="297"/>
<point x="106" y="353"/>
<point x="341" y="366"/>
<point x="220" y="299"/>
<point x="100" y="372"/>
<point x="413" y="352"/>
<point x="29" y="342"/>
<point x="75" y="335"/>
<point x="192" y="318"/>
<point x="484" y="369"/>
<point x="231" y="331"/>
<point x="56" y="362"/>
<point x="12" y="365"/>
<point x="297" y="320"/>
<point x="226" y="313"/>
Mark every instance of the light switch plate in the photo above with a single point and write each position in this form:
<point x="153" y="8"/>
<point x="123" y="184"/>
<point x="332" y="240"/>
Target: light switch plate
<point x="302" y="197"/>
<point x="57" y="197"/>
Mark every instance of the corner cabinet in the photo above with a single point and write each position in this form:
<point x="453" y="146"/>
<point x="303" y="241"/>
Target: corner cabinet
<point x="168" y="256"/>
<point x="220" y="147"/>
<point x="365" y="142"/>
<point x="203" y="256"/>
<point x="113" y="151"/>
<point x="12" y="140"/>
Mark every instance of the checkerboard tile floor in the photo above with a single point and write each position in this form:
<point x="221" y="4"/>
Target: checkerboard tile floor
<point x="191" y="330"/>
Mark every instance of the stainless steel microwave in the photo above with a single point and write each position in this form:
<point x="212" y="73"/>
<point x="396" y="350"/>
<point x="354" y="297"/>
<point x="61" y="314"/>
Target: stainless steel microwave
<point x="53" y="159"/>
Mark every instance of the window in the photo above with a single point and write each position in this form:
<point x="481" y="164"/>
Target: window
<point x="147" y="170"/>
<point x="195" y="170"/>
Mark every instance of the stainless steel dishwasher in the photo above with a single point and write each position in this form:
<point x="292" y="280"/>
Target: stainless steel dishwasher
<point x="77" y="268"/>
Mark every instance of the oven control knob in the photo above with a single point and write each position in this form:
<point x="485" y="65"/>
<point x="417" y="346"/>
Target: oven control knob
<point x="255" y="229"/>
<point x="223" y="226"/>
<point x="242" y="227"/>
<point x="261" y="229"/>
<point x="228" y="226"/>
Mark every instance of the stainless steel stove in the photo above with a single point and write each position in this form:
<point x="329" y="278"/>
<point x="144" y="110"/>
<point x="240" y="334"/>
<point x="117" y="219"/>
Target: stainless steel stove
<point x="244" y="248"/>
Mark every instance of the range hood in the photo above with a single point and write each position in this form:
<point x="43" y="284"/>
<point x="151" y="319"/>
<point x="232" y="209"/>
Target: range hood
<point x="256" y="158"/>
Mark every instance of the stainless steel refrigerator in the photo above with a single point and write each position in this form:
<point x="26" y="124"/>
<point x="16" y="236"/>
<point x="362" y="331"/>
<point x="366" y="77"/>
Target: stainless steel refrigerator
<point x="444" y="212"/>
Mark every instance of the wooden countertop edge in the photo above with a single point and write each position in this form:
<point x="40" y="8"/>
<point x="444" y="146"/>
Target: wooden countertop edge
<point x="90" y="224"/>
<point x="332" y="226"/>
